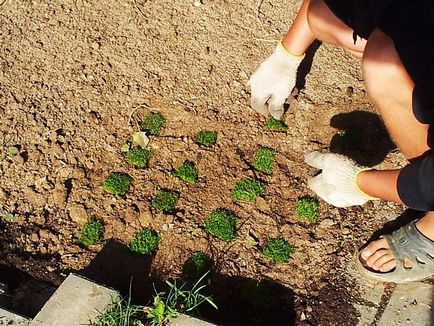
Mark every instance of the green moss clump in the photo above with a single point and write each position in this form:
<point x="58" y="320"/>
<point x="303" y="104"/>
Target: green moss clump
<point x="264" y="158"/>
<point x="187" y="172"/>
<point x="139" y="157"/>
<point x="91" y="233"/>
<point x="145" y="241"/>
<point x="247" y="189"/>
<point x="278" y="250"/>
<point x="197" y="265"/>
<point x="117" y="183"/>
<point x="206" y="138"/>
<point x="221" y="224"/>
<point x="349" y="138"/>
<point x="152" y="123"/>
<point x="306" y="209"/>
<point x="165" y="200"/>
<point x="275" y="125"/>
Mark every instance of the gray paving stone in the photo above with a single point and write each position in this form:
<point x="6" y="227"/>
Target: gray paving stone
<point x="10" y="318"/>
<point x="410" y="304"/>
<point x="370" y="294"/>
<point x="77" y="301"/>
<point x="185" y="320"/>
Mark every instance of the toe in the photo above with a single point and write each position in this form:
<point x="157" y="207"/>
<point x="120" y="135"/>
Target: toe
<point x="376" y="256"/>
<point x="382" y="261"/>
<point x="386" y="267"/>
<point x="373" y="247"/>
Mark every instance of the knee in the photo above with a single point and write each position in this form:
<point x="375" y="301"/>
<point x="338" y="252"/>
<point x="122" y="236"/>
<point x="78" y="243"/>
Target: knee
<point x="380" y="65"/>
<point x="315" y="17"/>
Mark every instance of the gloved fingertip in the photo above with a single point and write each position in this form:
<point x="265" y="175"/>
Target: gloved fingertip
<point x="314" y="159"/>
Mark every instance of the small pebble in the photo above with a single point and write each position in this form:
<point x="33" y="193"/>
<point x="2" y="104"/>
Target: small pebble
<point x="196" y="3"/>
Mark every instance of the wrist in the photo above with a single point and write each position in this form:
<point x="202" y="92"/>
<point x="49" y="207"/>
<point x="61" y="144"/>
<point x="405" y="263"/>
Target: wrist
<point x="288" y="53"/>
<point x="359" y="183"/>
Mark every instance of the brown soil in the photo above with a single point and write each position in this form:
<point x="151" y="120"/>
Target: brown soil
<point x="76" y="78"/>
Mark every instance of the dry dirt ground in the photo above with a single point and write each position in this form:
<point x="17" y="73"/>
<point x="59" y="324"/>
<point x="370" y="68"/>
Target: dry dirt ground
<point x="75" y="78"/>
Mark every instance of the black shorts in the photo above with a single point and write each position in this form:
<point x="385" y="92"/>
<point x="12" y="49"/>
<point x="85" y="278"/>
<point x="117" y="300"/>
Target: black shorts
<point x="410" y="24"/>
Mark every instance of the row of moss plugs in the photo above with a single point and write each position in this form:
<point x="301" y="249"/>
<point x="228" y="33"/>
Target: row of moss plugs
<point x="220" y="223"/>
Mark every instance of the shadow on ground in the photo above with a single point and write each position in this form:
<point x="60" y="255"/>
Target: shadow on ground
<point x="362" y="136"/>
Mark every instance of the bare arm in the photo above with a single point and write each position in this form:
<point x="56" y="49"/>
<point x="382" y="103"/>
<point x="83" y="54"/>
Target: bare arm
<point x="299" y="36"/>
<point x="380" y="184"/>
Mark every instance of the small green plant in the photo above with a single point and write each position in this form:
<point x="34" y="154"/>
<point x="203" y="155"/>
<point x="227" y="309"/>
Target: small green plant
<point x="152" y="123"/>
<point x="197" y="265"/>
<point x="139" y="157"/>
<point x="145" y="241"/>
<point x="264" y="158"/>
<point x="91" y="233"/>
<point x="123" y="313"/>
<point x="349" y="138"/>
<point x="306" y="208"/>
<point x="116" y="183"/>
<point x="221" y="224"/>
<point x="165" y="200"/>
<point x="278" y="250"/>
<point x="206" y="138"/>
<point x="275" y="125"/>
<point x="179" y="299"/>
<point x="247" y="189"/>
<point x="187" y="172"/>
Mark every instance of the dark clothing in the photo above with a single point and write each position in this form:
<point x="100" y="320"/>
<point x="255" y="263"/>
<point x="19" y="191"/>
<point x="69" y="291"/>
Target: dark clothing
<point x="410" y="24"/>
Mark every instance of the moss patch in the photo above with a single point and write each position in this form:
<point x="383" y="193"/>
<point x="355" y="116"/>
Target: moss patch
<point x="117" y="183"/>
<point x="206" y="138"/>
<point x="187" y="172"/>
<point x="145" y="241"/>
<point x="306" y="208"/>
<point x="91" y="233"/>
<point x="275" y="125"/>
<point x="263" y="159"/>
<point x="165" y="200"/>
<point x="221" y="224"/>
<point x="247" y="189"/>
<point x="139" y="157"/>
<point x="278" y="250"/>
<point x="153" y="123"/>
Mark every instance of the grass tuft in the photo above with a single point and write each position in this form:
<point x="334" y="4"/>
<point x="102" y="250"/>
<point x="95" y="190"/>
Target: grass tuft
<point x="91" y="233"/>
<point x="187" y="172"/>
<point x="206" y="138"/>
<point x="139" y="157"/>
<point x="152" y="123"/>
<point x="197" y="265"/>
<point x="145" y="241"/>
<point x="306" y="209"/>
<point x="117" y="183"/>
<point x="264" y="158"/>
<point x="221" y="224"/>
<point x="247" y="189"/>
<point x="165" y="200"/>
<point x="278" y="250"/>
<point x="275" y="125"/>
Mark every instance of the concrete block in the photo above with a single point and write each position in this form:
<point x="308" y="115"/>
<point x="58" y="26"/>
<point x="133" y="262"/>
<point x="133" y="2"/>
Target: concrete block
<point x="370" y="294"/>
<point x="185" y="320"/>
<point x="410" y="304"/>
<point x="77" y="301"/>
<point x="9" y="318"/>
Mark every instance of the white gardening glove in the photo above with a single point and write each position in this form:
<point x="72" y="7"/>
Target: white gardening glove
<point x="337" y="183"/>
<point x="273" y="81"/>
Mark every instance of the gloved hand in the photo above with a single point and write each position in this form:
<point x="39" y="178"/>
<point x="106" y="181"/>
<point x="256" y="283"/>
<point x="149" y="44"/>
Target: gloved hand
<point x="337" y="183"/>
<point x="273" y="81"/>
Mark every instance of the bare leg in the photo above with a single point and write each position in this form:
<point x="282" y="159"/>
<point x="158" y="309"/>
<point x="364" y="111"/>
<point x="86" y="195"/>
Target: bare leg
<point x="390" y="88"/>
<point x="330" y="29"/>
<point x="316" y="21"/>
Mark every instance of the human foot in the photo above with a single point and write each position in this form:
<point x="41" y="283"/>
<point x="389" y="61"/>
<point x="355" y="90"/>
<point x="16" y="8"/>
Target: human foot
<point x="405" y="255"/>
